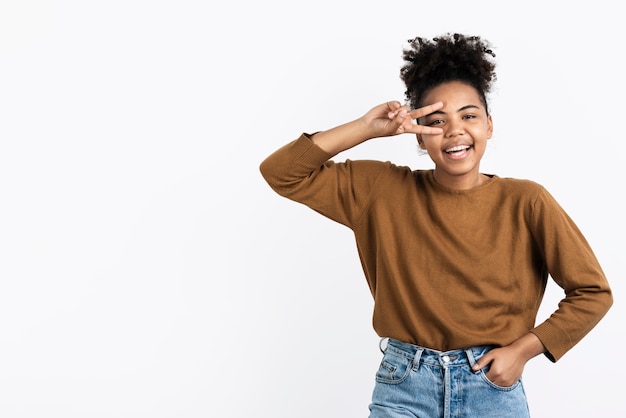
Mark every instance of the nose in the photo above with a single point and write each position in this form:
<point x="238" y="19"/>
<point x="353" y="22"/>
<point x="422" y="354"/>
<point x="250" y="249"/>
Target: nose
<point x="454" y="128"/>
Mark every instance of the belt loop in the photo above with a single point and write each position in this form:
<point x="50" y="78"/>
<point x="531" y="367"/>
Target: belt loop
<point x="416" y="359"/>
<point x="470" y="356"/>
<point x="380" y="344"/>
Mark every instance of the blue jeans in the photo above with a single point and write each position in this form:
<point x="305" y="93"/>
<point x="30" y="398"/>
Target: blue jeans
<point x="413" y="381"/>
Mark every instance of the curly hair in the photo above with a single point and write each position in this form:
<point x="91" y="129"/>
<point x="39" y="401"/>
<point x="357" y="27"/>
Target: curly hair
<point x="451" y="57"/>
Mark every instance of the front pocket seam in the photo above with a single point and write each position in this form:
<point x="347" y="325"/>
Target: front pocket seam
<point x="497" y="387"/>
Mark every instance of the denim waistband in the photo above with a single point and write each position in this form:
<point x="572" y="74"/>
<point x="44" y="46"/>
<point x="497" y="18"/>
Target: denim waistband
<point x="458" y="357"/>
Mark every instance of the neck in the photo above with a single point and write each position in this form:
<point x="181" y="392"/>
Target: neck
<point x="460" y="182"/>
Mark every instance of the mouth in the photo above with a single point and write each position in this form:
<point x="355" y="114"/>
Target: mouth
<point x="458" y="151"/>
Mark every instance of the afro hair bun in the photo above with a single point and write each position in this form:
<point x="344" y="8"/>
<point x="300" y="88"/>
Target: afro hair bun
<point x="451" y="57"/>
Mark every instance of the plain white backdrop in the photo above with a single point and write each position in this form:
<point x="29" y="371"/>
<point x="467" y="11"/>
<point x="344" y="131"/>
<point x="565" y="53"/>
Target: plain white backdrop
<point x="146" y="269"/>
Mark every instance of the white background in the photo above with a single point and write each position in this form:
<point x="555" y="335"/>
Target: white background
<point x="146" y="269"/>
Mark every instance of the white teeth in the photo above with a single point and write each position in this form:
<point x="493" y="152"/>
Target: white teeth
<point x="458" y="148"/>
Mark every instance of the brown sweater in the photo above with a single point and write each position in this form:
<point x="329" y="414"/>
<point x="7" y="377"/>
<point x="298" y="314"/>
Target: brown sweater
<point x="448" y="268"/>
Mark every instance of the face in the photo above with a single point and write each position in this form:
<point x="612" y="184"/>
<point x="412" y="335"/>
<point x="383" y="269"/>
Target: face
<point x="466" y="128"/>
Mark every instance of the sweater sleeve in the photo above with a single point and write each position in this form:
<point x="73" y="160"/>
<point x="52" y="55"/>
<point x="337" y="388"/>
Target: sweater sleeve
<point x="301" y="171"/>
<point x="573" y="266"/>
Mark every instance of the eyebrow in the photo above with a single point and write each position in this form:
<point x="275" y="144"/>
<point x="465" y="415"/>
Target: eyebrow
<point x="441" y="112"/>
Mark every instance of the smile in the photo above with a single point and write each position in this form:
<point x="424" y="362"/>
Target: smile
<point x="458" y="150"/>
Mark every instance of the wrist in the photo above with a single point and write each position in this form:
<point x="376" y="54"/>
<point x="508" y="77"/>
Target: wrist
<point x="529" y="346"/>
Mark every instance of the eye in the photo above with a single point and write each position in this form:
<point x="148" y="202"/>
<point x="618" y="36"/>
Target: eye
<point x="434" y="122"/>
<point x="469" y="116"/>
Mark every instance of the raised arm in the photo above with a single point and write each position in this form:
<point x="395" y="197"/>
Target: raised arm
<point x="387" y="119"/>
<point x="302" y="170"/>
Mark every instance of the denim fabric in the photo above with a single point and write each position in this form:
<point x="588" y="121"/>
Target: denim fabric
<point x="413" y="381"/>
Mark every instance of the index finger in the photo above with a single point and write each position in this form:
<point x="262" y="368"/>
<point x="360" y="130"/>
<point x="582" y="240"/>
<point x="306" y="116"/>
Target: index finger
<point x="425" y="110"/>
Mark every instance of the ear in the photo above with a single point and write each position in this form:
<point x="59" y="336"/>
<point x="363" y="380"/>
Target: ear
<point x="420" y="141"/>
<point x="489" y="127"/>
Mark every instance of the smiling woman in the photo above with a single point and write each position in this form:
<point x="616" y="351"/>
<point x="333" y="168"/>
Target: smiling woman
<point x="448" y="237"/>
<point x="465" y="126"/>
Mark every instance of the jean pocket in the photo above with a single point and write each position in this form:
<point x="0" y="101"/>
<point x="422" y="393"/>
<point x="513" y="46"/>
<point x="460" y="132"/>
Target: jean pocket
<point x="497" y="387"/>
<point x="393" y="368"/>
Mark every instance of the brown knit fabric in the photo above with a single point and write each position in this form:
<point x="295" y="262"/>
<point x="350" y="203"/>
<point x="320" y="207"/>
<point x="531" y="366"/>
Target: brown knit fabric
<point x="450" y="269"/>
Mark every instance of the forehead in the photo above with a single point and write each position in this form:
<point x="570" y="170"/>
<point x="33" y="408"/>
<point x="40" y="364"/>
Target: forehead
<point x="453" y="93"/>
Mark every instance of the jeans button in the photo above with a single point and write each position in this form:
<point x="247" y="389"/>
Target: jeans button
<point x="446" y="359"/>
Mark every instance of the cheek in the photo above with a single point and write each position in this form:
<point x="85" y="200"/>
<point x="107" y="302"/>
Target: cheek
<point x="481" y="133"/>
<point x="480" y="148"/>
<point x="430" y="145"/>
